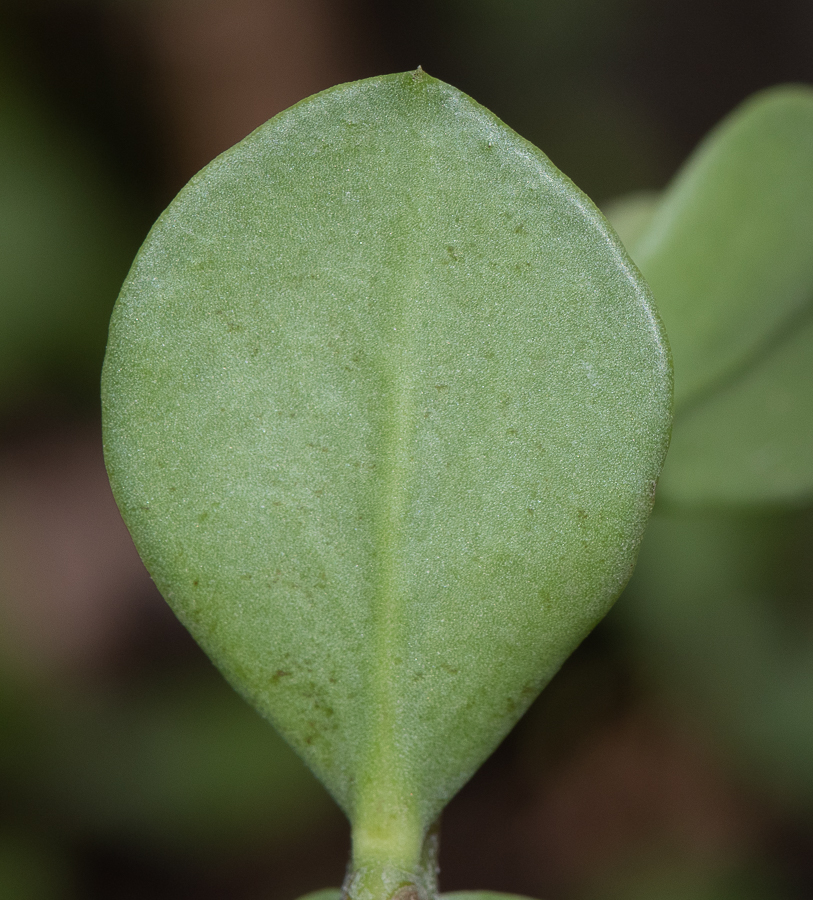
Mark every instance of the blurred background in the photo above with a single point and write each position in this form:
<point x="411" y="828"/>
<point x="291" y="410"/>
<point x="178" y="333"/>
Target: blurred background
<point x="673" y="755"/>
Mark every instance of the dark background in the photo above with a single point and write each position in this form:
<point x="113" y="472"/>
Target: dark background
<point x="126" y="769"/>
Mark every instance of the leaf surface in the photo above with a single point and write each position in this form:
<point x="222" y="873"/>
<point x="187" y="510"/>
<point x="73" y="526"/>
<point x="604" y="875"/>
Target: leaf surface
<point x="385" y="403"/>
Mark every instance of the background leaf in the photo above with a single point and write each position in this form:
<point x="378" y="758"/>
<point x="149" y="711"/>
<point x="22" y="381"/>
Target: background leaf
<point x="718" y="610"/>
<point x="729" y="251"/>
<point x="632" y="214"/>
<point x="749" y="441"/>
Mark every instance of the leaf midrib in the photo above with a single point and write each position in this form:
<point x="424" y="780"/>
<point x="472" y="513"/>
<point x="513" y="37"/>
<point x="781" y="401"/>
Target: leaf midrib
<point x="386" y="773"/>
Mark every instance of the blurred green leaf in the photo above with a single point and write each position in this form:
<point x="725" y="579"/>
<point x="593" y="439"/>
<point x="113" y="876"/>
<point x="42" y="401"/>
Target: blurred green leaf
<point x="751" y="440"/>
<point x="384" y="407"/>
<point x="729" y="251"/>
<point x="631" y="215"/>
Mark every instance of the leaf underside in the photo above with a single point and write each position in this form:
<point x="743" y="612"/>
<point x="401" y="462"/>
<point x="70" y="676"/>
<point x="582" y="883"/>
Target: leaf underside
<point x="384" y="406"/>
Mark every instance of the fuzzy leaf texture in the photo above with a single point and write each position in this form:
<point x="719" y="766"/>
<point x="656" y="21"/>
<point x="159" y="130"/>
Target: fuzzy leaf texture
<point x="385" y="404"/>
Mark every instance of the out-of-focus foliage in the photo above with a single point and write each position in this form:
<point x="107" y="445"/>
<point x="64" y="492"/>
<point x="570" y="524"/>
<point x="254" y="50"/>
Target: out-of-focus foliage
<point x="729" y="249"/>
<point x="720" y="609"/>
<point x="174" y="766"/>
<point x="728" y="252"/>
<point x="31" y="869"/>
<point x="719" y="606"/>
<point x="181" y="766"/>
<point x="673" y="882"/>
<point x="67" y="236"/>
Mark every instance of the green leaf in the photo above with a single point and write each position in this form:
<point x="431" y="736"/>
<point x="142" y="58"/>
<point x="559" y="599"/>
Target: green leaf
<point x="385" y="403"/>
<point x="729" y="251"/>
<point x="632" y="214"/>
<point x="750" y="441"/>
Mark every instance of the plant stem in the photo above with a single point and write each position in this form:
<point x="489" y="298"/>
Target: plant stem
<point x="390" y="864"/>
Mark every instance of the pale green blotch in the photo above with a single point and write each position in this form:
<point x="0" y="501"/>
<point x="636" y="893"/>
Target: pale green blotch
<point x="385" y="403"/>
<point x="631" y="214"/>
